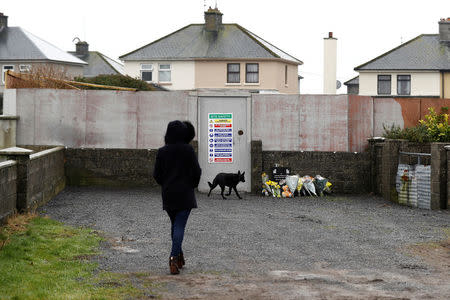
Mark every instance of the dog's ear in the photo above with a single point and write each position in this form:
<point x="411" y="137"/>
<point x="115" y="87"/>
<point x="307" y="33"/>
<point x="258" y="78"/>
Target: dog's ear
<point x="243" y="173"/>
<point x="239" y="172"/>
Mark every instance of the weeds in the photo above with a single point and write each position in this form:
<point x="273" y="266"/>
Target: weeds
<point x="44" y="259"/>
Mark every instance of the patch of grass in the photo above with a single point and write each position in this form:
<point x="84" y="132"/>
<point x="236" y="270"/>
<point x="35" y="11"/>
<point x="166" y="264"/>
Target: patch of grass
<point x="44" y="259"/>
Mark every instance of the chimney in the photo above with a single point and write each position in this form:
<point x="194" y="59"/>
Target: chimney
<point x="213" y="19"/>
<point x="3" y="22"/>
<point x="444" y="30"/>
<point x="329" y="64"/>
<point x="82" y="48"/>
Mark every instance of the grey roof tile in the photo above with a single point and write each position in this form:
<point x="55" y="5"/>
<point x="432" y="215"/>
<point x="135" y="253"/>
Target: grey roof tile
<point x="19" y="44"/>
<point x="354" y="80"/>
<point x="99" y="64"/>
<point x="424" y="52"/>
<point x="193" y="42"/>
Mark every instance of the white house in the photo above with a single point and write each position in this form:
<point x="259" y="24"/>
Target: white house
<point x="417" y="68"/>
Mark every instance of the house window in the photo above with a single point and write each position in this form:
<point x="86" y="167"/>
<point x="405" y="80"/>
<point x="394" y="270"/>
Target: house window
<point x="233" y="73"/>
<point x="6" y="68"/>
<point x="384" y="84"/>
<point x="165" y="71"/>
<point x="285" y="74"/>
<point x="403" y="84"/>
<point x="146" y="72"/>
<point x="24" y="68"/>
<point x="252" y="73"/>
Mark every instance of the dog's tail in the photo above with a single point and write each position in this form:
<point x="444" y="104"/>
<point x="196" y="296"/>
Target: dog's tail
<point x="210" y="185"/>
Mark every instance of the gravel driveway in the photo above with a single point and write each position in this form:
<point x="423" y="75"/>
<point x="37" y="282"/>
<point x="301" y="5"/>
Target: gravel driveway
<point x="267" y="248"/>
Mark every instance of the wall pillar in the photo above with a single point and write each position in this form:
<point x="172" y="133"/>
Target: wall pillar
<point x="22" y="157"/>
<point x="375" y="144"/>
<point x="438" y="176"/>
<point x="8" y="126"/>
<point x="389" y="163"/>
<point x="256" y="166"/>
<point x="447" y="148"/>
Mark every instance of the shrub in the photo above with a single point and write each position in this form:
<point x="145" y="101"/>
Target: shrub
<point x="437" y="125"/>
<point x="117" y="80"/>
<point x="434" y="128"/>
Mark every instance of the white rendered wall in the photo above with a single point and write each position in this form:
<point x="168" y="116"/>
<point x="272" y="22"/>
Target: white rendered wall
<point x="183" y="73"/>
<point x="329" y="65"/>
<point x="422" y="83"/>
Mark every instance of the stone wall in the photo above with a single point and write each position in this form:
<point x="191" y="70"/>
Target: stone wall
<point x="110" y="167"/>
<point x="45" y="176"/>
<point x="347" y="171"/>
<point x="8" y="189"/>
<point x="448" y="175"/>
<point x="384" y="168"/>
<point x="438" y="176"/>
<point x="38" y="177"/>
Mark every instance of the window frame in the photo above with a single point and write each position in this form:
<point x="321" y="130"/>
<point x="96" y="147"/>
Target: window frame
<point x="146" y="68"/>
<point x="378" y="84"/>
<point x="233" y="72"/>
<point x="285" y="75"/>
<point x="24" y="68"/>
<point x="169" y="70"/>
<point x="248" y="73"/>
<point x="403" y="80"/>
<point x="4" y="71"/>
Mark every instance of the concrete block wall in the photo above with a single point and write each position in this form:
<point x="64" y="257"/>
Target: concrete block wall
<point x="8" y="189"/>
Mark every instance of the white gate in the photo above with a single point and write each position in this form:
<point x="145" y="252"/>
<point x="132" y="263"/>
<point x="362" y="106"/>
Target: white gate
<point x="232" y="110"/>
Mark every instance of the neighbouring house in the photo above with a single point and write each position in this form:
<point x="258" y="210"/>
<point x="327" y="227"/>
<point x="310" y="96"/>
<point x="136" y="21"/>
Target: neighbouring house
<point x="214" y="55"/>
<point x="417" y="68"/>
<point x="353" y="86"/>
<point x="21" y="50"/>
<point x="97" y="63"/>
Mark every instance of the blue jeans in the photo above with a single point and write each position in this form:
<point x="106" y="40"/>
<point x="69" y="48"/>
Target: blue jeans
<point x="178" y="219"/>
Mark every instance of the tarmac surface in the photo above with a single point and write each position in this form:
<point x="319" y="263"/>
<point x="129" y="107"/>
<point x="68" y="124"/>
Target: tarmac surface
<point x="336" y="247"/>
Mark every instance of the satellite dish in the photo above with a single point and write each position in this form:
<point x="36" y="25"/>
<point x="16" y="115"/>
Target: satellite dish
<point x="338" y="84"/>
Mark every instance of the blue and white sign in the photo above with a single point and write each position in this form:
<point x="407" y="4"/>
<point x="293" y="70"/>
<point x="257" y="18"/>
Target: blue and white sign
<point x="220" y="138"/>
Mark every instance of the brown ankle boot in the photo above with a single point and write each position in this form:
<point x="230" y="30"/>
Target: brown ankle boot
<point x="180" y="261"/>
<point x="173" y="266"/>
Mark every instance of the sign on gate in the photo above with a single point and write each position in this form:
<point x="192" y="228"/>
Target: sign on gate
<point x="220" y="138"/>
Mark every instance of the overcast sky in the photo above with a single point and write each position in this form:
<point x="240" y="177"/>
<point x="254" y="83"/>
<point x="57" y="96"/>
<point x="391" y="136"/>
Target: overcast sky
<point x="365" y="29"/>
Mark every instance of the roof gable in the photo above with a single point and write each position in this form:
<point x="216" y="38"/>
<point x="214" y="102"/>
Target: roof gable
<point x="193" y="42"/>
<point x="19" y="44"/>
<point x="424" y="52"/>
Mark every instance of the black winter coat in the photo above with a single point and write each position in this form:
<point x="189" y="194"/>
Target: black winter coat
<point x="177" y="170"/>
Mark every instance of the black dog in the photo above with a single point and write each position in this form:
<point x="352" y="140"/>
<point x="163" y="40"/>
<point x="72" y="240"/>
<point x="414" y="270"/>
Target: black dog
<point x="230" y="180"/>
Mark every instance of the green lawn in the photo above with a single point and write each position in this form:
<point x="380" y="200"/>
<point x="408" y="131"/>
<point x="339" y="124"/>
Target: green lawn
<point x="44" y="259"/>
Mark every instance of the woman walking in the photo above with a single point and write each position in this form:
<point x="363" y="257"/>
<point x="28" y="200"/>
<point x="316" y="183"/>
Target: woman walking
<point x="178" y="172"/>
